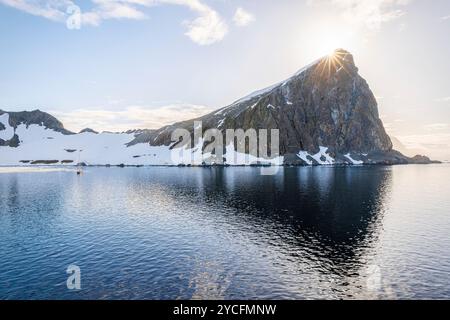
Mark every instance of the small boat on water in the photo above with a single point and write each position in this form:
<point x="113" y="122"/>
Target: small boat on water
<point x="79" y="165"/>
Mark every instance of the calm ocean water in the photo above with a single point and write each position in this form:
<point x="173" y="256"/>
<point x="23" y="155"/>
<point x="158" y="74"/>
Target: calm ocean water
<point x="226" y="233"/>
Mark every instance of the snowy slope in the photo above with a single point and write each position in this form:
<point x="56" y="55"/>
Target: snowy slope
<point x="40" y="144"/>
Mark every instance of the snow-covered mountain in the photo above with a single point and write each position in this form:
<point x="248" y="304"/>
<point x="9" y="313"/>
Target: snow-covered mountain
<point x="47" y="142"/>
<point x="326" y="114"/>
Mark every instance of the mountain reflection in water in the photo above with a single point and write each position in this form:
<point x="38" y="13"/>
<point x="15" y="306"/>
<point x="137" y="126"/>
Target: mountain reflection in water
<point x="219" y="233"/>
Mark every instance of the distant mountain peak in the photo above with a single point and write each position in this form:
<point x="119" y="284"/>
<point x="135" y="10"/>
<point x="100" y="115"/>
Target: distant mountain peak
<point x="88" y="130"/>
<point x="36" y="117"/>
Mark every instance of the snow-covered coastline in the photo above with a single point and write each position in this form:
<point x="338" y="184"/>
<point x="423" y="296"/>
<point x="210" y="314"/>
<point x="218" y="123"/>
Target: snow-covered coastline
<point x="42" y="146"/>
<point x="37" y="145"/>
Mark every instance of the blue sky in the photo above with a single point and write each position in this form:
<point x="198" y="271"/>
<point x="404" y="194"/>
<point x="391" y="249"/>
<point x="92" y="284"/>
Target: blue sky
<point x="145" y="63"/>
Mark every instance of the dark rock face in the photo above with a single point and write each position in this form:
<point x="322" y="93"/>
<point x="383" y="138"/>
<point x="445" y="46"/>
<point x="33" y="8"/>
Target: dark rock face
<point x="45" y="162"/>
<point x="419" y="159"/>
<point x="88" y="130"/>
<point x="141" y="136"/>
<point x="326" y="104"/>
<point x="13" y="142"/>
<point x="36" y="117"/>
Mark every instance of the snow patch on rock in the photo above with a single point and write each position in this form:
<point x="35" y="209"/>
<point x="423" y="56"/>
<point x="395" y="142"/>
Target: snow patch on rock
<point x="235" y="158"/>
<point x="304" y="156"/>
<point x="322" y="157"/>
<point x="221" y="122"/>
<point x="353" y="161"/>
<point x="273" y="87"/>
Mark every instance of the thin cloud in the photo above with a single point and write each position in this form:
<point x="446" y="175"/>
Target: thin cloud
<point x="242" y="17"/>
<point x="445" y="18"/>
<point x="436" y="126"/>
<point x="132" y="117"/>
<point x="206" y="29"/>
<point x="369" y="14"/>
<point x="52" y="10"/>
<point x="436" y="146"/>
<point x="110" y="9"/>
<point x="445" y="99"/>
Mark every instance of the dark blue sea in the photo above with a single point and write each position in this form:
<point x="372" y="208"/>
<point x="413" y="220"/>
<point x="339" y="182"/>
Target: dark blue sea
<point x="226" y="233"/>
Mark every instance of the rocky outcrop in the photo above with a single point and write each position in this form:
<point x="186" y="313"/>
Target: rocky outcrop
<point x="13" y="142"/>
<point x="419" y="159"/>
<point x="326" y="114"/>
<point x="142" y="136"/>
<point x="28" y="118"/>
<point x="36" y="117"/>
<point x="88" y="130"/>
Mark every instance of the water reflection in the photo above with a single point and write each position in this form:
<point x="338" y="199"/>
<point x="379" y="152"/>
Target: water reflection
<point x="165" y="233"/>
<point x="319" y="220"/>
<point x="335" y="208"/>
<point x="17" y="192"/>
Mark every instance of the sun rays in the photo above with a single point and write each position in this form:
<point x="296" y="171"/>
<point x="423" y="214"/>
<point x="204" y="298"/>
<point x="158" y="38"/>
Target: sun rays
<point x="333" y="63"/>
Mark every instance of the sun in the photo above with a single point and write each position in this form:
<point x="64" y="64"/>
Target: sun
<point x="327" y="45"/>
<point x="333" y="63"/>
<point x="325" y="38"/>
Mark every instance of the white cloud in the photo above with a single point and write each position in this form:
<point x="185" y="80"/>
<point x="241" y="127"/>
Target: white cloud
<point x="206" y="29"/>
<point x="243" y="18"/>
<point x="370" y="14"/>
<point x="52" y="10"/>
<point x="445" y="18"/>
<point x="132" y="117"/>
<point x="110" y="9"/>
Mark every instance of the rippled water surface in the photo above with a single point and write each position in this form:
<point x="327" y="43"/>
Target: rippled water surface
<point x="166" y="233"/>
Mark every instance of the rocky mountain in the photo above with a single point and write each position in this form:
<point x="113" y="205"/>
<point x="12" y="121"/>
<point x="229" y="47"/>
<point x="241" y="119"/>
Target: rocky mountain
<point x="35" y="117"/>
<point x="28" y="118"/>
<point x="326" y="114"/>
<point x="88" y="130"/>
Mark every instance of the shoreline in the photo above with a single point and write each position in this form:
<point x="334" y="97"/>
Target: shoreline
<point x="218" y="166"/>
